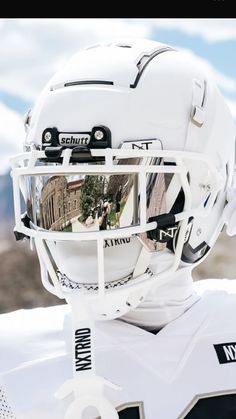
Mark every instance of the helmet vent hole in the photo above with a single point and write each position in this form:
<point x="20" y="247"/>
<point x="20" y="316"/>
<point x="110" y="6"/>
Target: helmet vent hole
<point x="217" y="197"/>
<point x="93" y="46"/>
<point x="227" y="169"/>
<point x="124" y="45"/>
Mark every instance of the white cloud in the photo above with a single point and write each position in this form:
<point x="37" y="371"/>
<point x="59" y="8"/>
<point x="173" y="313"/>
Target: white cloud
<point x="211" y="30"/>
<point x="11" y="135"/>
<point x="225" y="83"/>
<point x="31" y="50"/>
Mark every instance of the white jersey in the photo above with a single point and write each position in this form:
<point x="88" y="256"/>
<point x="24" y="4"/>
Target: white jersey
<point x="187" y="370"/>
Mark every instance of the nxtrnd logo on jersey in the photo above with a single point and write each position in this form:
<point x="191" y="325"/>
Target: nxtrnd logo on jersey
<point x="226" y="352"/>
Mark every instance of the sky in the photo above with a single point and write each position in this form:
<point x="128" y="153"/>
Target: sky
<point x="32" y="50"/>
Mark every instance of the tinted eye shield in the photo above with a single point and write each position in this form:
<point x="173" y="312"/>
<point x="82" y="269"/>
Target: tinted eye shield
<point x="120" y="188"/>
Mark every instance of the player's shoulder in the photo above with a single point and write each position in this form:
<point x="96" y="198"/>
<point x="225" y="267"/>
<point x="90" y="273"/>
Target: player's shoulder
<point x="46" y="332"/>
<point x="217" y="301"/>
<point x="23" y="331"/>
<point x="37" y="316"/>
<point x="218" y="296"/>
<point x="197" y="334"/>
<point x="210" y="318"/>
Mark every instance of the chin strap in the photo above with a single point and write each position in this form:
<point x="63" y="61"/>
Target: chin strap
<point x="87" y="388"/>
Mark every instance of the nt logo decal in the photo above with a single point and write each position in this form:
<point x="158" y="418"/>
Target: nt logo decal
<point x="83" y="349"/>
<point x="226" y="352"/>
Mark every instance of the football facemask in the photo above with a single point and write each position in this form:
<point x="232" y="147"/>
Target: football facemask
<point x="143" y="195"/>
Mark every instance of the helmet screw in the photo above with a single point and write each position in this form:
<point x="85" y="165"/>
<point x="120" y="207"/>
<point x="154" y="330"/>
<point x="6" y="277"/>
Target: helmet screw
<point x="48" y="136"/>
<point x="199" y="232"/>
<point x="206" y="187"/>
<point x="98" y="135"/>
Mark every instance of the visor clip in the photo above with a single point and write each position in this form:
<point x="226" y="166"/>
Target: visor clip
<point x="81" y="154"/>
<point x="19" y="235"/>
<point x="53" y="153"/>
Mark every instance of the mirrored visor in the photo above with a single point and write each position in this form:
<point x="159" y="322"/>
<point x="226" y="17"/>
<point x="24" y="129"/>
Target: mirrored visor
<point x="79" y="202"/>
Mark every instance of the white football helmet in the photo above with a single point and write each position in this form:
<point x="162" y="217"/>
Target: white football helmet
<point x="128" y="153"/>
<point x="128" y="156"/>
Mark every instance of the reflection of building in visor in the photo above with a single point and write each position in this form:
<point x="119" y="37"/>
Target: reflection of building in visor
<point x="74" y="203"/>
<point x="60" y="202"/>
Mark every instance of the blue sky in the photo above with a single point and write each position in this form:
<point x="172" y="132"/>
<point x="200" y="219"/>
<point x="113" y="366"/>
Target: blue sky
<point x="31" y="50"/>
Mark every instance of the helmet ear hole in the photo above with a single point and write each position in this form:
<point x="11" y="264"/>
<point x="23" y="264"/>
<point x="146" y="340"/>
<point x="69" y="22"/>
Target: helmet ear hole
<point x="191" y="255"/>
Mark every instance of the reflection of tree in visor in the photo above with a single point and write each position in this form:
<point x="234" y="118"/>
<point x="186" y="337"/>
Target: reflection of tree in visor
<point x="91" y="191"/>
